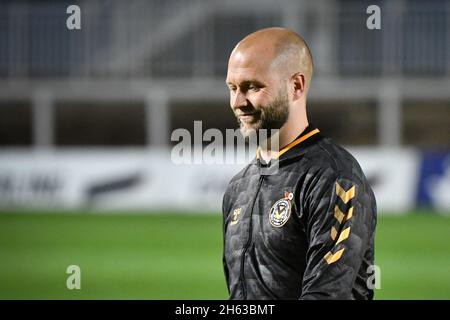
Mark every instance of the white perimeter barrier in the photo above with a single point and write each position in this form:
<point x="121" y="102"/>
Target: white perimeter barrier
<point x="105" y="179"/>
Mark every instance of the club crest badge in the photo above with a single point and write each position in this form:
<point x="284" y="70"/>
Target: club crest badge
<point x="235" y="218"/>
<point x="281" y="210"/>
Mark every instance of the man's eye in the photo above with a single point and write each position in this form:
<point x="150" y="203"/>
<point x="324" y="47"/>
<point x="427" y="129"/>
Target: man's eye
<point x="253" y="88"/>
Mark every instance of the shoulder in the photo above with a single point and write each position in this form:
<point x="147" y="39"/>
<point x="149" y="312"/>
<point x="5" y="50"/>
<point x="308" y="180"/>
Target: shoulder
<point x="332" y="173"/>
<point x="326" y="168"/>
<point x="328" y="157"/>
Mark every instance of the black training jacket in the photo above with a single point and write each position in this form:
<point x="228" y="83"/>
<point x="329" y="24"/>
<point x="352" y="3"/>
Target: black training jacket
<point x="302" y="227"/>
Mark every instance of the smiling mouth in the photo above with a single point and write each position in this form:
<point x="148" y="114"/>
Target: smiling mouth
<point x="245" y="118"/>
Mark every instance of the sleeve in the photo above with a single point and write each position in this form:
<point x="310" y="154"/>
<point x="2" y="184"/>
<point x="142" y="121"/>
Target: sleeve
<point x="224" y="215"/>
<point x="338" y="218"/>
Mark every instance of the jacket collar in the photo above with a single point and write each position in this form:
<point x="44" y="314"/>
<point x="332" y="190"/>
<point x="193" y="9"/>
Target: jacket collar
<point x="309" y="136"/>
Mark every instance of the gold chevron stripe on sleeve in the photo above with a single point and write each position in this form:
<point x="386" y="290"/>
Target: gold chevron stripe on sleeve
<point x="331" y="258"/>
<point x="346" y="196"/>
<point x="340" y="216"/>
<point x="344" y="235"/>
<point x="349" y="214"/>
<point x="333" y="233"/>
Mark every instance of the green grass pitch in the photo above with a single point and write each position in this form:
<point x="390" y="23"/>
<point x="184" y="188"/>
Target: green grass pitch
<point x="178" y="256"/>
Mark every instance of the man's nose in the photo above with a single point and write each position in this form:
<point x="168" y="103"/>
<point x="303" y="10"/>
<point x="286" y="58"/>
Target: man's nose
<point x="238" y="100"/>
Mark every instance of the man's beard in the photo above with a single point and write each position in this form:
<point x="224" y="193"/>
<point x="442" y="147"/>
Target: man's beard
<point x="270" y="117"/>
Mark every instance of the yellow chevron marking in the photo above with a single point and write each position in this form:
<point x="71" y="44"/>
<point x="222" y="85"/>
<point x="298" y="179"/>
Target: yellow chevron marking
<point x="346" y="196"/>
<point x="333" y="233"/>
<point x="331" y="258"/>
<point x="338" y="214"/>
<point x="349" y="214"/>
<point x="344" y="235"/>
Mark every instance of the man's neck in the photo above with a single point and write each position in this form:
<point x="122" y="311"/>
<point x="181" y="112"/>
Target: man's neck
<point x="269" y="149"/>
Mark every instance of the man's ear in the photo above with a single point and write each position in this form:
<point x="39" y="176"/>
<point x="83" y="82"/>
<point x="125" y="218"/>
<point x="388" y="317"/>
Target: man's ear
<point x="299" y="83"/>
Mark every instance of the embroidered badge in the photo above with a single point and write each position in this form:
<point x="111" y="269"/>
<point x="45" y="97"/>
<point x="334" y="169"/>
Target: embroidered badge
<point x="281" y="210"/>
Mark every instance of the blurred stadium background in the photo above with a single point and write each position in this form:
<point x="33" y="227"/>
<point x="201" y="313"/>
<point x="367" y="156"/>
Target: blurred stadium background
<point x="86" y="118"/>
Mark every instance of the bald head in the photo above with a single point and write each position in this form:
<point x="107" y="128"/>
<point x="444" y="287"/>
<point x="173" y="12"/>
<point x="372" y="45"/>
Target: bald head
<point x="281" y="50"/>
<point x="269" y="74"/>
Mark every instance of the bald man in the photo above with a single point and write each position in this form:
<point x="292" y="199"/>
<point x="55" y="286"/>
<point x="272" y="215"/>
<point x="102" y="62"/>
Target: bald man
<point x="299" y="220"/>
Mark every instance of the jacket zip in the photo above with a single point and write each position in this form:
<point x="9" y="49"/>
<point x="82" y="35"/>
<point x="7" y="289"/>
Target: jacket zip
<point x="249" y="240"/>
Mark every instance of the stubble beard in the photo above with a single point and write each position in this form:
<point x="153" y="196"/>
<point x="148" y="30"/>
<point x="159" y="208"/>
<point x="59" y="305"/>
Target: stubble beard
<point x="269" y="117"/>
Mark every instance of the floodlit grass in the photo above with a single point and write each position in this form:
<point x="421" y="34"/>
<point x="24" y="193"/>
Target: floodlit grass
<point x="413" y="252"/>
<point x="178" y="256"/>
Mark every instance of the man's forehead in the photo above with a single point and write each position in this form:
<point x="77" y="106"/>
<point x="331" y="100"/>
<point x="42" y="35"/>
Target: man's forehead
<point x="244" y="65"/>
<point x="246" y="75"/>
<point x="251" y="57"/>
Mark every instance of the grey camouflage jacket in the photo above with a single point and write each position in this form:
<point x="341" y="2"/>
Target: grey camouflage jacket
<point x="300" y="227"/>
